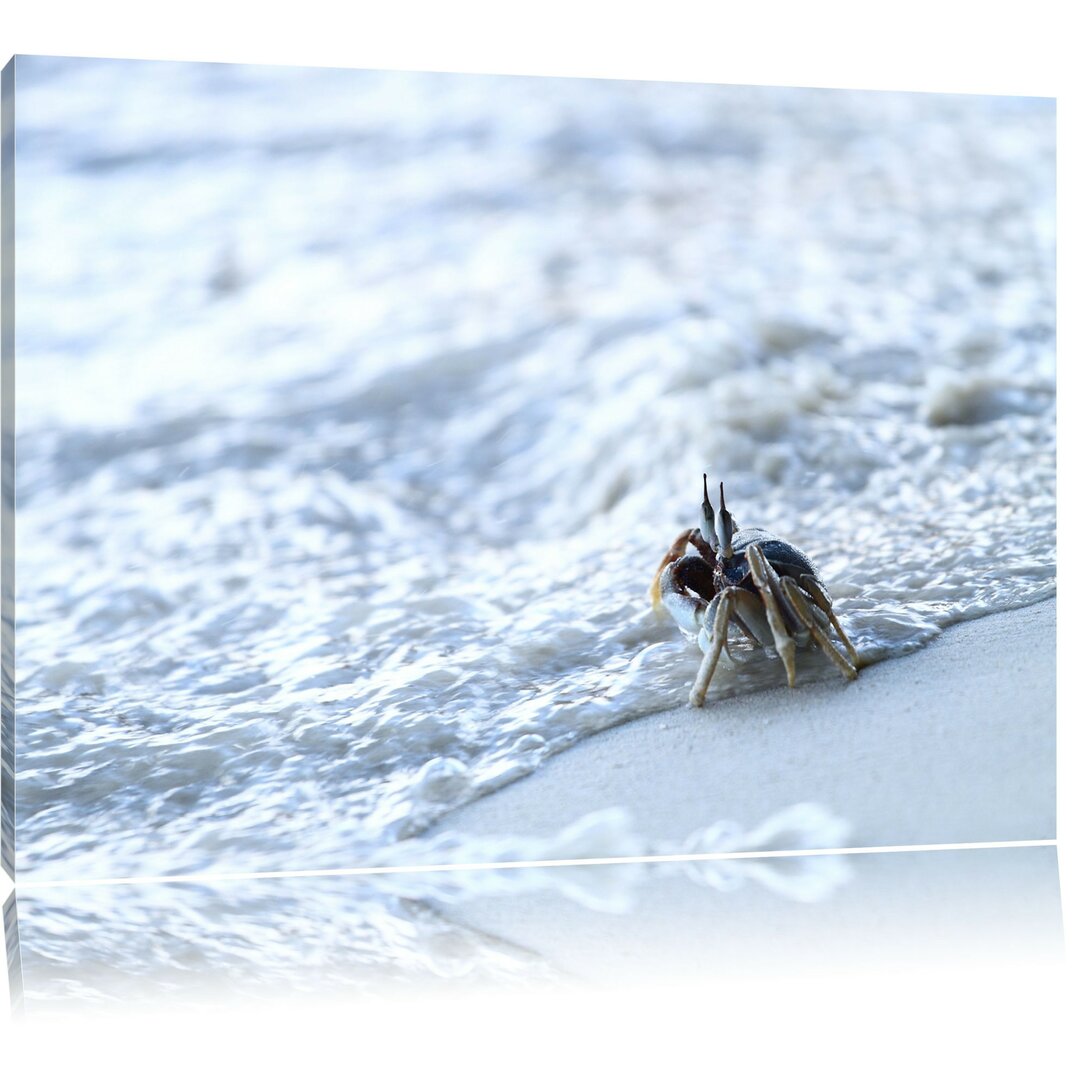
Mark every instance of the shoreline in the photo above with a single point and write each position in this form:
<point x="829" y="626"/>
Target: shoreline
<point x="951" y="744"/>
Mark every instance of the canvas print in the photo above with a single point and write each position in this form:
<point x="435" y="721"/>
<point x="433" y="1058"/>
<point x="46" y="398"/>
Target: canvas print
<point x="421" y="468"/>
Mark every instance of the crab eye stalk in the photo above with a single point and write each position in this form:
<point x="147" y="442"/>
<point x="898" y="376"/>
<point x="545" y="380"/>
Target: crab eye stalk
<point x="725" y="529"/>
<point x="708" y="531"/>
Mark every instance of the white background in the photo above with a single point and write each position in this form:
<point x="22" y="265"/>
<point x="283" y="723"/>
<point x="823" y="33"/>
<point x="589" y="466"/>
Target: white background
<point x="989" y="1023"/>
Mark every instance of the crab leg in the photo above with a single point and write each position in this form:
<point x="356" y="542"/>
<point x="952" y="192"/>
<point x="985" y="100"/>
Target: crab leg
<point x="801" y="603"/>
<point x="741" y="623"/>
<point x="748" y="614"/>
<point x="763" y="576"/>
<point x="822" y="601"/>
<point x="721" y="609"/>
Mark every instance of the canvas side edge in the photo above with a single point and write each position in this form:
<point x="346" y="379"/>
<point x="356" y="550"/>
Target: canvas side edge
<point x="7" y="469"/>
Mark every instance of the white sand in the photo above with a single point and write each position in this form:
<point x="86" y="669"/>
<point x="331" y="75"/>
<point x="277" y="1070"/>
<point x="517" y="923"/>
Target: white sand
<point x="951" y="744"/>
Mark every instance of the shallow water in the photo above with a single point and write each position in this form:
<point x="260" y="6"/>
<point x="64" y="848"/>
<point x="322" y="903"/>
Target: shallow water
<point x="355" y="411"/>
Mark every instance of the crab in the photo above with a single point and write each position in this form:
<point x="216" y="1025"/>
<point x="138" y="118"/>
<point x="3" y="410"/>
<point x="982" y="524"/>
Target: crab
<point x="766" y="587"/>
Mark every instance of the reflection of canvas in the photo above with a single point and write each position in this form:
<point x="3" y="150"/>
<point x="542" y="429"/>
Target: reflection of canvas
<point x="687" y="923"/>
<point x="356" y="409"/>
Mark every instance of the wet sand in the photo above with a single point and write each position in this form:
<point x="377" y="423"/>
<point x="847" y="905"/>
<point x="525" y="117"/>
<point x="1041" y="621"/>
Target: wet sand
<point x="954" y="743"/>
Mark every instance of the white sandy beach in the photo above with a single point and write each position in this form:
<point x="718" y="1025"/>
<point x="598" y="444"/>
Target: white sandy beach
<point x="951" y="744"/>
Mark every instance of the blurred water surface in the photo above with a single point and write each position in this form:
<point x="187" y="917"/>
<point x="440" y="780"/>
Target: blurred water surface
<point x="355" y="410"/>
